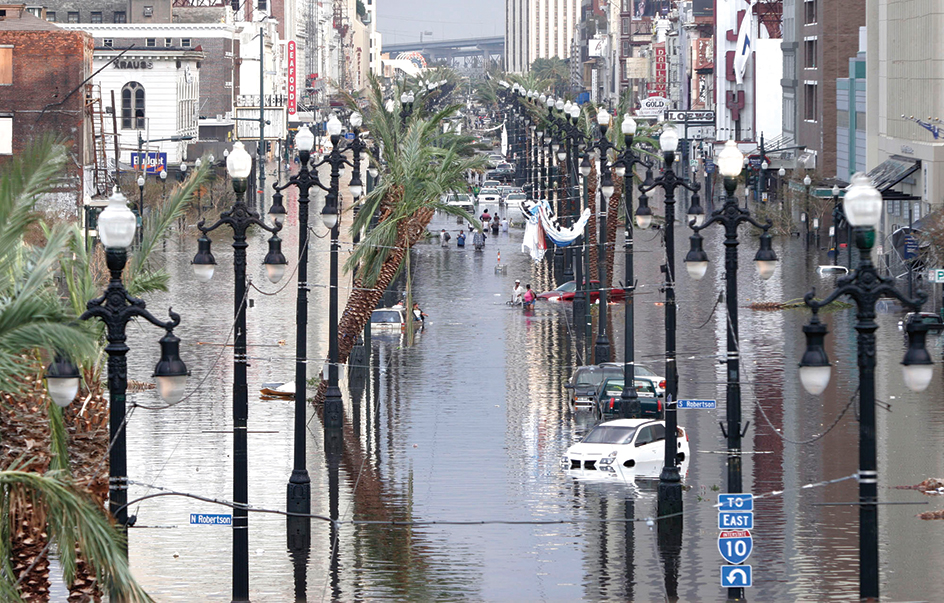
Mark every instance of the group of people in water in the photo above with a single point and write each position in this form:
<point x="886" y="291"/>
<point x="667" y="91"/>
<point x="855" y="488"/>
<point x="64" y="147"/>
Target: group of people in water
<point x="489" y="222"/>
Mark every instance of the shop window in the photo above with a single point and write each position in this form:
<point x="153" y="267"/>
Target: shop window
<point x="120" y="17"/>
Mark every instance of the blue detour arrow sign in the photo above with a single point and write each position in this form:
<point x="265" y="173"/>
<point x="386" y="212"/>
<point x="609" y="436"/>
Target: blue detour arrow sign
<point x="736" y="576"/>
<point x="735" y="545"/>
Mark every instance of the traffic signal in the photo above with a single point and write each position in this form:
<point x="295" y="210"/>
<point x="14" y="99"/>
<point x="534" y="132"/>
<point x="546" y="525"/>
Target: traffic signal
<point x="268" y="146"/>
<point x="683" y="147"/>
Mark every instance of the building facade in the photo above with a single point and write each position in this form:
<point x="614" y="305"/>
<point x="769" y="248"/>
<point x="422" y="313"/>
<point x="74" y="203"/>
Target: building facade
<point x="43" y="69"/>
<point x="517" y="59"/>
<point x="819" y="38"/>
<point x="538" y="29"/>
<point x="851" y="117"/>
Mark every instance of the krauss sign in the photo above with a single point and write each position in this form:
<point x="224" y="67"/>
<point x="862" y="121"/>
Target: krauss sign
<point x="133" y="64"/>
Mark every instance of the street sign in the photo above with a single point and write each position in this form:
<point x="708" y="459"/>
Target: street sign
<point x="703" y="117"/>
<point x="735" y="545"/>
<point x="911" y="247"/>
<point x="936" y="276"/>
<point x="349" y="136"/>
<point x="708" y="404"/>
<point x="735" y="519"/>
<point x="736" y="576"/>
<point x="736" y="502"/>
<point x="209" y="519"/>
<point x="710" y="166"/>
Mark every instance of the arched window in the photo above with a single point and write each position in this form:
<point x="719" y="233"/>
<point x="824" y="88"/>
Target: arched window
<point x="132" y="106"/>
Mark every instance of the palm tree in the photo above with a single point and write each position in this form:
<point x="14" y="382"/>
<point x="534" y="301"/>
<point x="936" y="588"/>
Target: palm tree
<point x="421" y="164"/>
<point x="39" y="509"/>
<point x="553" y="72"/>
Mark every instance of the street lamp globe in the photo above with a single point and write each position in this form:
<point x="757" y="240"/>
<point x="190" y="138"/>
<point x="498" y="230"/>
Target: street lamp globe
<point x="183" y="167"/>
<point x="198" y="163"/>
<point x="603" y="118"/>
<point x="781" y="172"/>
<point x="643" y="213"/>
<point x="764" y="165"/>
<point x="730" y="160"/>
<point x="170" y="371"/>
<point x="204" y="264"/>
<point x="815" y="369"/>
<point x="389" y="105"/>
<point x="211" y="158"/>
<point x="567" y="107"/>
<point x="163" y="175"/>
<point x="357" y="119"/>
<point x="766" y="260"/>
<point x="807" y="180"/>
<point x="863" y="202"/>
<point x="304" y="139"/>
<point x="669" y="139"/>
<point x="629" y="125"/>
<point x="275" y="261"/>
<point x="238" y="163"/>
<point x="404" y="97"/>
<point x="836" y="190"/>
<point x="917" y="366"/>
<point x="140" y="181"/>
<point x="559" y="105"/>
<point x="585" y="167"/>
<point x="62" y="381"/>
<point x="117" y="223"/>
<point x="542" y="98"/>
<point x="334" y="126"/>
<point x="696" y="261"/>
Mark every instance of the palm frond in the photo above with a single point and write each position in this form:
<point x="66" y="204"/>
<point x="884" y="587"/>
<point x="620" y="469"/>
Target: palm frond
<point x="74" y="521"/>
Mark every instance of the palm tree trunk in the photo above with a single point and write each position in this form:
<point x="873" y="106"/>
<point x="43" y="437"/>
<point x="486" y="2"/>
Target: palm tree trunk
<point x="612" y="215"/>
<point x="362" y="301"/>
<point x="592" y="224"/>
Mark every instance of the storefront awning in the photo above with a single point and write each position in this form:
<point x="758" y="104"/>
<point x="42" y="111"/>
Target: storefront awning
<point x="892" y="171"/>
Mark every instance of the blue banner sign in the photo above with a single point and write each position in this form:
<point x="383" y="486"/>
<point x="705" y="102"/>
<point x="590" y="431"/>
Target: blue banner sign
<point x="153" y="162"/>
<point x="709" y="404"/>
<point x="208" y="519"/>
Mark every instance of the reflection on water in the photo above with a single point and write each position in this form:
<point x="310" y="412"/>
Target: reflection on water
<point x="470" y="423"/>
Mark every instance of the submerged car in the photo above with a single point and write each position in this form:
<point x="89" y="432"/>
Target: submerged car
<point x="393" y="318"/>
<point x="585" y="383"/>
<point x="634" y="444"/>
<point x="463" y="200"/>
<point x="609" y="398"/>
<point x="566" y="292"/>
<point x="489" y="195"/>
<point x="643" y="372"/>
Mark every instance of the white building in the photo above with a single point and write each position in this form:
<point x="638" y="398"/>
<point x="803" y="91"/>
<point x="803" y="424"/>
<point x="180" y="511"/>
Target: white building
<point x="538" y="29"/>
<point x="905" y="100"/>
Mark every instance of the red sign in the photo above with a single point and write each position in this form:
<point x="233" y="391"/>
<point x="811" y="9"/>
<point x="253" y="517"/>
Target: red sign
<point x="662" y="72"/>
<point x="292" y="84"/>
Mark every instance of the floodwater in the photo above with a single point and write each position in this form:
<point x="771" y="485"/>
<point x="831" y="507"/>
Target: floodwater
<point x="469" y="424"/>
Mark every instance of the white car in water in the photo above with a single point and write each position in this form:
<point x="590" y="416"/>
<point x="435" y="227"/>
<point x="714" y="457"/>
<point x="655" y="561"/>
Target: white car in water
<point x="637" y="445"/>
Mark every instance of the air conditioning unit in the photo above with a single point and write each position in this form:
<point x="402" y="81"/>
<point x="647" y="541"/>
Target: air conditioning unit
<point x="148" y="11"/>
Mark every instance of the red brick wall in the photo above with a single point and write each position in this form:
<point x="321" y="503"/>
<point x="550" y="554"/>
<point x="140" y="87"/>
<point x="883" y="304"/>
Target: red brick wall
<point x="47" y="67"/>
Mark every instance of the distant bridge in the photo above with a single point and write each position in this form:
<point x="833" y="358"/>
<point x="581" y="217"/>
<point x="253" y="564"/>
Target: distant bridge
<point x="450" y="50"/>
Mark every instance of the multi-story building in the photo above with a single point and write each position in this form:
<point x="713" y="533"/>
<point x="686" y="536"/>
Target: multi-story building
<point x="43" y="90"/>
<point x="819" y="38"/>
<point x="850" y="116"/>
<point x="517" y="59"/>
<point x="538" y="29"/>
<point x="905" y="132"/>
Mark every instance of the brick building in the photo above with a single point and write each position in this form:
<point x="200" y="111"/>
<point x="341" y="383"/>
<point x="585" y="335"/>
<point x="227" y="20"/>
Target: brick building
<point x="43" y="69"/>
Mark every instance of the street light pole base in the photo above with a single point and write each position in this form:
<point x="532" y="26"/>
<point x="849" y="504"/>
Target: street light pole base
<point x="601" y="350"/>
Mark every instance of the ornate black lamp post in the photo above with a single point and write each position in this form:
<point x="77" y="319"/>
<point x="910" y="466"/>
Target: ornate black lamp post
<point x="240" y="217"/>
<point x="299" y="484"/>
<point x="730" y="216"/>
<point x="116" y="308"/>
<point x="670" y="481"/>
<point x="406" y="102"/>
<point x="863" y="207"/>
<point x="625" y="167"/>
<point x="601" y="348"/>
<point x="330" y="215"/>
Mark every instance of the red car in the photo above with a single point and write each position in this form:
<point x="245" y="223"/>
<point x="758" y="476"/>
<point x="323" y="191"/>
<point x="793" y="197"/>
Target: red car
<point x="566" y="293"/>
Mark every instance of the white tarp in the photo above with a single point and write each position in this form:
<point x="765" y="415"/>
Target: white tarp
<point x="541" y="222"/>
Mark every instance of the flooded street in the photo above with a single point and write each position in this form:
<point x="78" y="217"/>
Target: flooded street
<point x="469" y="425"/>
